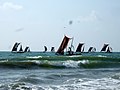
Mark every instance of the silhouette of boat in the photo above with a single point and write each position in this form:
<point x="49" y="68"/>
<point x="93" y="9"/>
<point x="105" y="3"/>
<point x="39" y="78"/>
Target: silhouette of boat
<point x="27" y="49"/>
<point x="52" y="49"/>
<point x="20" y="50"/>
<point x="15" y="48"/>
<point x="91" y="49"/>
<point x="80" y="48"/>
<point x="106" y="48"/>
<point x="64" y="45"/>
<point x="45" y="49"/>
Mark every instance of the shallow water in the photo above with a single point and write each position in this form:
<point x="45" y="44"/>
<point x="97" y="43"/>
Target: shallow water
<point x="45" y="71"/>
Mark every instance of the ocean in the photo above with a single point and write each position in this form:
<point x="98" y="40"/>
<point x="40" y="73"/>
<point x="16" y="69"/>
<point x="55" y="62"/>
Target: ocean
<point x="47" y="71"/>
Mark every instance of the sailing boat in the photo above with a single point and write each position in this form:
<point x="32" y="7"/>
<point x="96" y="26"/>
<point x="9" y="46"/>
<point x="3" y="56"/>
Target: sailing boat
<point x="80" y="48"/>
<point x="109" y="50"/>
<point x="63" y="45"/>
<point x="92" y="49"/>
<point x="52" y="49"/>
<point x="14" y="49"/>
<point x="21" y="50"/>
<point x="45" y="48"/>
<point x="106" y="48"/>
<point x="27" y="49"/>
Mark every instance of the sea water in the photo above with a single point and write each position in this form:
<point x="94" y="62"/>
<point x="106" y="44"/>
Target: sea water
<point x="46" y="71"/>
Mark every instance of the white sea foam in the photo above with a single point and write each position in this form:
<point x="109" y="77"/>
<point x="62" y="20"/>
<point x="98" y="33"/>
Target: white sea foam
<point x="4" y="60"/>
<point x="35" y="57"/>
<point x="101" y="56"/>
<point x="67" y="63"/>
<point x="40" y="62"/>
<point x="74" y="64"/>
<point x="71" y="84"/>
<point x="91" y="84"/>
<point x="37" y="62"/>
<point x="71" y="63"/>
<point x="75" y="56"/>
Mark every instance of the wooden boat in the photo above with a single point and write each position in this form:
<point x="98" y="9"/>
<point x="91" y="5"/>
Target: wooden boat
<point x="106" y="48"/>
<point x="15" y="48"/>
<point x="45" y="49"/>
<point x="64" y="45"/>
<point x="91" y="49"/>
<point x="52" y="49"/>
<point x="80" y="48"/>
<point x="27" y="49"/>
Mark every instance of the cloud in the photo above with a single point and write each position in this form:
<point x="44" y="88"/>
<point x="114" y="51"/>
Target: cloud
<point x="90" y="18"/>
<point x="20" y="29"/>
<point x="11" y="6"/>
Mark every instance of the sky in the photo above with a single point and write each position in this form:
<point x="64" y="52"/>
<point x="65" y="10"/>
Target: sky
<point x="39" y="23"/>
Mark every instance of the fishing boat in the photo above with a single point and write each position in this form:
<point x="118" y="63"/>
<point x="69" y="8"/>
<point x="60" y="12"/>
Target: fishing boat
<point x="45" y="49"/>
<point x="106" y="48"/>
<point x="64" y="45"/>
<point x="20" y="50"/>
<point x="80" y="47"/>
<point x="27" y="49"/>
<point x="52" y="49"/>
<point x="91" y="49"/>
<point x="15" y="48"/>
<point x="109" y="50"/>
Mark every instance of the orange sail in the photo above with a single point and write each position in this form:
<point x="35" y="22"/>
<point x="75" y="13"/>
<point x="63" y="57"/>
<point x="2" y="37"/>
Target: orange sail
<point x="63" y="45"/>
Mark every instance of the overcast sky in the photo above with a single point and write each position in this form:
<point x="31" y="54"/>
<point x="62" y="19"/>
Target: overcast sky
<point x="45" y="22"/>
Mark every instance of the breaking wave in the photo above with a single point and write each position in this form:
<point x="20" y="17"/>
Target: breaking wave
<point x="61" y="62"/>
<point x="71" y="84"/>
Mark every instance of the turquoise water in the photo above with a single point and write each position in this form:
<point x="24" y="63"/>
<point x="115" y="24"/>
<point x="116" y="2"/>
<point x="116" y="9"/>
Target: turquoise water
<point x="46" y="71"/>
